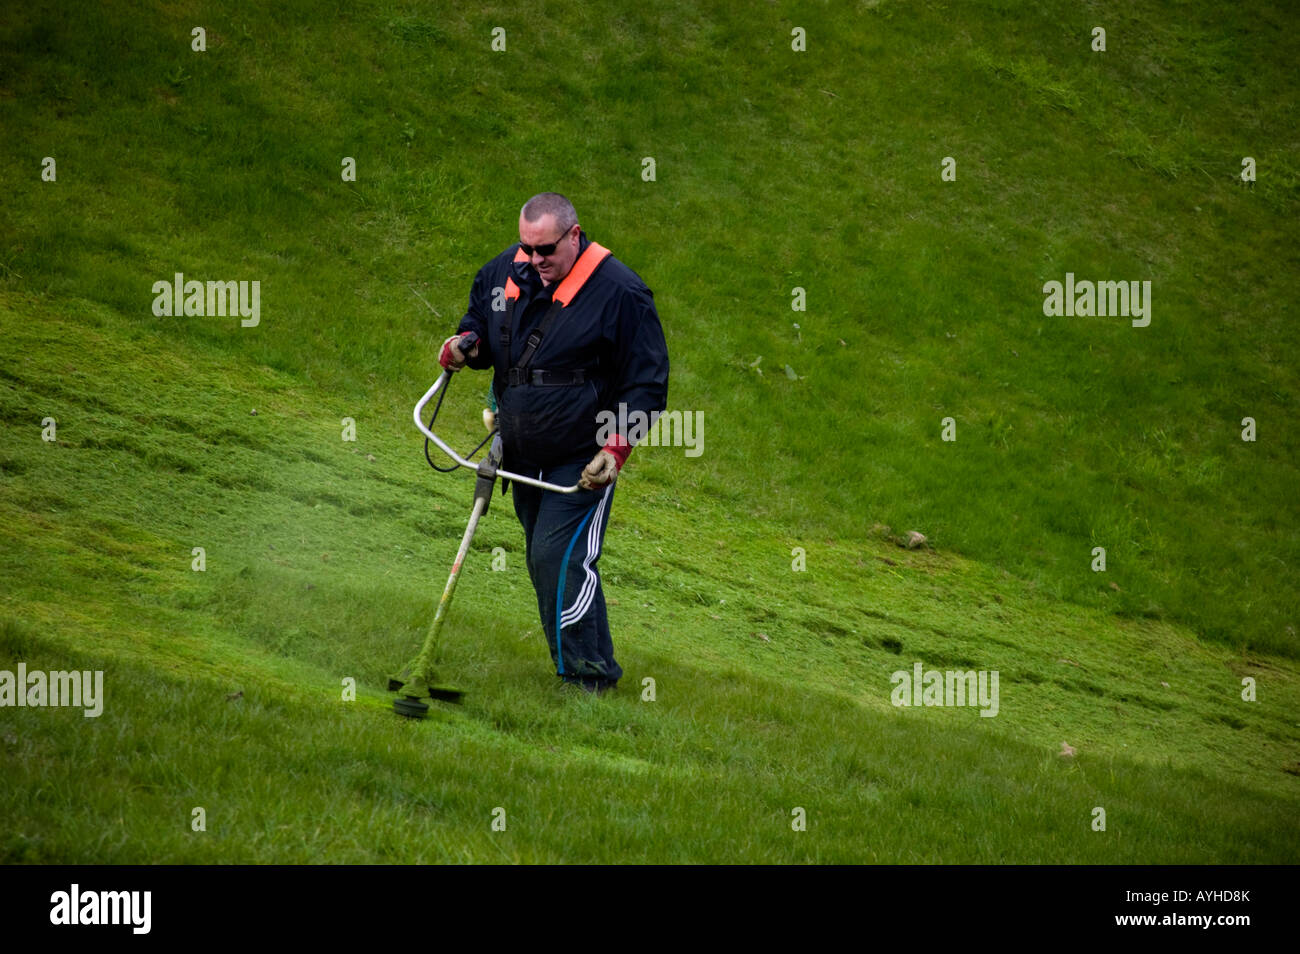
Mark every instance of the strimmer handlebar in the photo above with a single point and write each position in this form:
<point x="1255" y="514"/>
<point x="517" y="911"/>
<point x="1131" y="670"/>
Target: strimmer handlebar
<point x="419" y="422"/>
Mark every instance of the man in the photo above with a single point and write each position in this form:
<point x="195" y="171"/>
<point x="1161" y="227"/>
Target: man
<point x="570" y="332"/>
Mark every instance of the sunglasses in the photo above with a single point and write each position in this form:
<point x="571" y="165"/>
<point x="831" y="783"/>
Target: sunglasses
<point x="543" y="250"/>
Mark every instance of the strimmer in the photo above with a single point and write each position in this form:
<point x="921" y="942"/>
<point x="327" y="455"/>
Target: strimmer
<point x="417" y="682"/>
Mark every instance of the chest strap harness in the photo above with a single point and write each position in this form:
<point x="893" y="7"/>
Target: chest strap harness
<point x="568" y="289"/>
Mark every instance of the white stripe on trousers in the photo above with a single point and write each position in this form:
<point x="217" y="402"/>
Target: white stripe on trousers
<point x="588" y="591"/>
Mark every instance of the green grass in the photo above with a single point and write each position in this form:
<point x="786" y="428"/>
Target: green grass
<point x="775" y="169"/>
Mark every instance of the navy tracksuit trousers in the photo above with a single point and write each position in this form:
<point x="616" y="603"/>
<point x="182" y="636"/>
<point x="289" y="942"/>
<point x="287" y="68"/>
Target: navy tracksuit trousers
<point x="564" y="533"/>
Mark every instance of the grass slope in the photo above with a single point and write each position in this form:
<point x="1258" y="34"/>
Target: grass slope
<point x="774" y="169"/>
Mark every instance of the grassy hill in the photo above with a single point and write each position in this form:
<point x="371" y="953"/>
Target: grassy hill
<point x="774" y="170"/>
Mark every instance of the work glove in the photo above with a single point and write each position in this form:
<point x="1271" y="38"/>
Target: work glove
<point x="452" y="358"/>
<point x="604" y="467"/>
<point x="601" y="471"/>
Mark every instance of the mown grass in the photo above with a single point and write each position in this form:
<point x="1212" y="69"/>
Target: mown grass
<point x="711" y="771"/>
<point x="774" y="170"/>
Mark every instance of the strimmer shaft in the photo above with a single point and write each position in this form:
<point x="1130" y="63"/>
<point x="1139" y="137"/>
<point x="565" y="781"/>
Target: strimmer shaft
<point x="423" y="667"/>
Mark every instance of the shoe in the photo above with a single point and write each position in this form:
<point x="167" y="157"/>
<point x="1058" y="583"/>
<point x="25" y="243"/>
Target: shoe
<point x="590" y="684"/>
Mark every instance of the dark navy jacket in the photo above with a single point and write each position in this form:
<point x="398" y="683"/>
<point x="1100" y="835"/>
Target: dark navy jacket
<point x="610" y="330"/>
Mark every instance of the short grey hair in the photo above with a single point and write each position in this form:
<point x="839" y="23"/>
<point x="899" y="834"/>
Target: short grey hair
<point x="551" y="203"/>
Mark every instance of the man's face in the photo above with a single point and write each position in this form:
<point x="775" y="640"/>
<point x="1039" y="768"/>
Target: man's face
<point x="544" y="231"/>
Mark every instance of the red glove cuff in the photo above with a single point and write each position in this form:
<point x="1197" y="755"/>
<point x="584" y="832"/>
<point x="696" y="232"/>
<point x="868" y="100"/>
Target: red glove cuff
<point x="619" y="448"/>
<point x="444" y="358"/>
